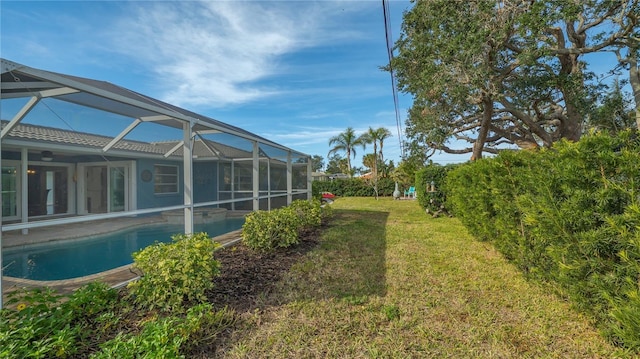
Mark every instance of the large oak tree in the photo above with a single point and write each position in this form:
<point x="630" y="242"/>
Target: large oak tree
<point x="492" y="73"/>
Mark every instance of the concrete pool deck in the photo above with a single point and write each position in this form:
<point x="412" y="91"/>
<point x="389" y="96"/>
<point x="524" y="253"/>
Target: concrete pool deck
<point x="114" y="277"/>
<point x="72" y="231"/>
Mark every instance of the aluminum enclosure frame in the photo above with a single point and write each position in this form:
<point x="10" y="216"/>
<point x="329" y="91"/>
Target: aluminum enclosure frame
<point x="21" y="81"/>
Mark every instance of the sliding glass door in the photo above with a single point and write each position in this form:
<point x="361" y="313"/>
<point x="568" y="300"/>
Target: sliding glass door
<point x="106" y="188"/>
<point x="48" y="189"/>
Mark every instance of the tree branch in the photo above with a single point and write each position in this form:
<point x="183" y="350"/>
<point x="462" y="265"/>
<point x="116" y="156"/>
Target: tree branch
<point x="451" y="150"/>
<point x="522" y="116"/>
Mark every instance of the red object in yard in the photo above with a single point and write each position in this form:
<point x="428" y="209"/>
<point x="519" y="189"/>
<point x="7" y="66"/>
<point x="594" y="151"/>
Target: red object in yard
<point x="328" y="195"/>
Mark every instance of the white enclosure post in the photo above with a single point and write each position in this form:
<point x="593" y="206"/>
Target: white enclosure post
<point x="1" y="267"/>
<point x="256" y="176"/>
<point x="289" y="179"/>
<point x="233" y="185"/>
<point x="309" y="179"/>
<point x="269" y="182"/>
<point x="24" y="189"/>
<point x="187" y="159"/>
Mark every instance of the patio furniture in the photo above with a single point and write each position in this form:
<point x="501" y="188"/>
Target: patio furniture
<point x="411" y="192"/>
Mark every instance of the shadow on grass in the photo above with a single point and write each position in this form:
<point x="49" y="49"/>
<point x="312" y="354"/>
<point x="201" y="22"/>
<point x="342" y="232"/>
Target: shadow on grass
<point x="344" y="260"/>
<point x="350" y="262"/>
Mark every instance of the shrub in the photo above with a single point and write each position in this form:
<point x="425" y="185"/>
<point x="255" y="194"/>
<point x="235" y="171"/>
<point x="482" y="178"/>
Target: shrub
<point x="354" y="187"/>
<point x="282" y="227"/>
<point x="159" y="338"/>
<point x="316" y="192"/>
<point x="266" y="230"/>
<point x="204" y="324"/>
<point x="45" y="325"/>
<point x="36" y="328"/>
<point x="169" y="337"/>
<point x="175" y="272"/>
<point x="309" y="213"/>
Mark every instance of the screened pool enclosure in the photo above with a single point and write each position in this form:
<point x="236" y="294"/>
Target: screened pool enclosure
<point x="77" y="150"/>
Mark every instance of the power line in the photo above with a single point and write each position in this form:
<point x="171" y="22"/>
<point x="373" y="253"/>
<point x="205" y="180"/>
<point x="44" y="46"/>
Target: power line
<point x="389" y="45"/>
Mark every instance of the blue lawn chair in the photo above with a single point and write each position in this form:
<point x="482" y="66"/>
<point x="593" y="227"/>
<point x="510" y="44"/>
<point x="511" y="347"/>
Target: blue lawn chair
<point x="411" y="192"/>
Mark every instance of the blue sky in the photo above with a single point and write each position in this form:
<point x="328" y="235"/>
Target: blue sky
<point x="295" y="72"/>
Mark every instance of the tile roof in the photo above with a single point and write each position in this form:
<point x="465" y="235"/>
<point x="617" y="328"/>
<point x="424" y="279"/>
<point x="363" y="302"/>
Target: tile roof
<point x="42" y="134"/>
<point x="201" y="150"/>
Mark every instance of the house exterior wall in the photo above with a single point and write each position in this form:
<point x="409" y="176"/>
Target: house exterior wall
<point x="11" y="155"/>
<point x="205" y="184"/>
<point x="146" y="196"/>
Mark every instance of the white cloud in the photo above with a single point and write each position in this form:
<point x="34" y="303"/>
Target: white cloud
<point x="304" y="136"/>
<point x="216" y="53"/>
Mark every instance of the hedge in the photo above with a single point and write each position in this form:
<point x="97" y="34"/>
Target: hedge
<point x="570" y="215"/>
<point x="281" y="228"/>
<point x="354" y="187"/>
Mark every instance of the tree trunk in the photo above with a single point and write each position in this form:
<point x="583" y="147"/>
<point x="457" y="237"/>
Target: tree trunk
<point x="571" y="128"/>
<point x="375" y="169"/>
<point x="487" y="115"/>
<point x="634" y="80"/>
<point x="349" y="163"/>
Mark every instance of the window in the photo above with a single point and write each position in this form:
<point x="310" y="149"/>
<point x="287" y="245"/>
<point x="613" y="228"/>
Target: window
<point x="166" y="179"/>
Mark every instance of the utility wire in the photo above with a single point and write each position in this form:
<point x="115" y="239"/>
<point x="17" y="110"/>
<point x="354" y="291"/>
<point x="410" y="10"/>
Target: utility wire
<point x="389" y="45"/>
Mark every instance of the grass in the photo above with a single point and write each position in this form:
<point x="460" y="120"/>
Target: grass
<point x="389" y="282"/>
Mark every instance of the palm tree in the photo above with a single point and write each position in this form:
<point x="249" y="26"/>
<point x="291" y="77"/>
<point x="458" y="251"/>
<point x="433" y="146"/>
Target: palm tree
<point x="369" y="160"/>
<point x="383" y="134"/>
<point x="370" y="137"/>
<point x="374" y="137"/>
<point x="346" y="141"/>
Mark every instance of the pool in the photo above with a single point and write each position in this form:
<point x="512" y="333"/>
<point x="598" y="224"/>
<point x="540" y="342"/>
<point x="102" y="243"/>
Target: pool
<point x="82" y="257"/>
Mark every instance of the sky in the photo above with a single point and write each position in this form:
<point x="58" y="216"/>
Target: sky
<point x="294" y="72"/>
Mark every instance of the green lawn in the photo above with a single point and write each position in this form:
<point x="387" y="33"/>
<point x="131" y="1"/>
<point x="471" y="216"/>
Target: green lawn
<point x="387" y="281"/>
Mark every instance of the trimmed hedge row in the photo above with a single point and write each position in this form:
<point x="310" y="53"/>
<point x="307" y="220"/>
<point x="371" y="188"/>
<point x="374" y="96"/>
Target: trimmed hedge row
<point x="280" y="228"/>
<point x="570" y="215"/>
<point x="354" y="187"/>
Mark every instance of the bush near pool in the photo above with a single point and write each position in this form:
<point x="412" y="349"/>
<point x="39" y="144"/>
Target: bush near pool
<point x="281" y="228"/>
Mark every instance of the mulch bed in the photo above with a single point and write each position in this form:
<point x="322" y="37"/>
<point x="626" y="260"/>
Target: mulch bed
<point x="246" y="275"/>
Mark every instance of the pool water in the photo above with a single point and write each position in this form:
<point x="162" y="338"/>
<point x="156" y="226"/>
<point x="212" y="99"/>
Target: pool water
<point x="82" y="257"/>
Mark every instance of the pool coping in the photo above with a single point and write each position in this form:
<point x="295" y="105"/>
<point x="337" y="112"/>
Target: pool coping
<point x="44" y="235"/>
